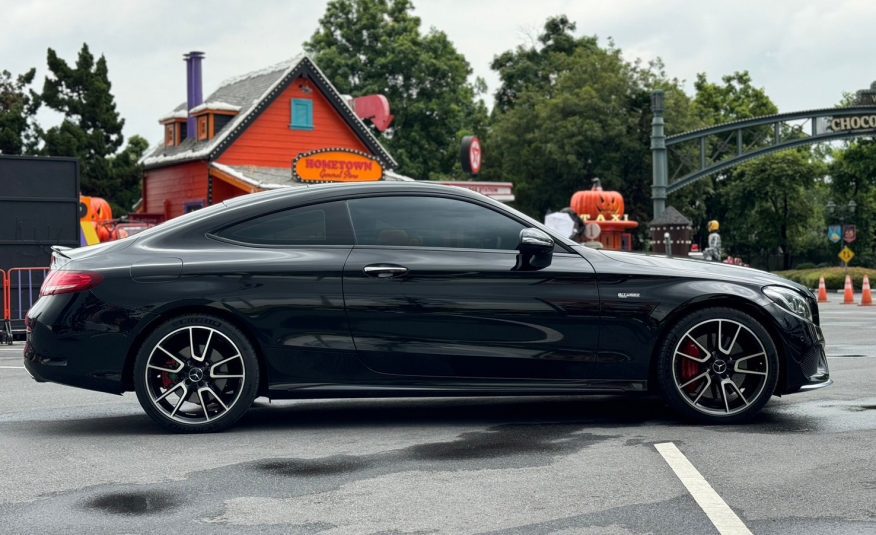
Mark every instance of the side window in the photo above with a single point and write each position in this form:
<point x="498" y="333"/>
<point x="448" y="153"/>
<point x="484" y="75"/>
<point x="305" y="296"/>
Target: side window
<point x="319" y="224"/>
<point x="431" y="222"/>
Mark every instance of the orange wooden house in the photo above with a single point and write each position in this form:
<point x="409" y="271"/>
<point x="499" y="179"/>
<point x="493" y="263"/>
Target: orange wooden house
<point x="245" y="136"/>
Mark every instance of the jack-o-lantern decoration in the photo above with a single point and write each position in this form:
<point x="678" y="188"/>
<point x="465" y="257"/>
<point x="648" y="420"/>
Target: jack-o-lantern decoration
<point x="605" y="209"/>
<point x="94" y="209"/>
<point x="95" y="220"/>
<point x="596" y="202"/>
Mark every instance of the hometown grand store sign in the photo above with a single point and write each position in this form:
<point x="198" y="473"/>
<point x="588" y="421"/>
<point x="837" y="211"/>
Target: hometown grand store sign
<point x="336" y="165"/>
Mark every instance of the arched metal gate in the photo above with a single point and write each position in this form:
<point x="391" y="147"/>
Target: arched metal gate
<point x="681" y="160"/>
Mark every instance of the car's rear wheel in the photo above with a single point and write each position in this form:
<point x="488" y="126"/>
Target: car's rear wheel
<point x="196" y="373"/>
<point x="718" y="365"/>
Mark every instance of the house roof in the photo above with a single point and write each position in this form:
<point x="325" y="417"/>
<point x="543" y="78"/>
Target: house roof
<point x="670" y="216"/>
<point x="253" y="93"/>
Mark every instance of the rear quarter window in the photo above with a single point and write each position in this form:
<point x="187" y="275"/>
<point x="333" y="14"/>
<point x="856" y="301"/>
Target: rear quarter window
<point x="318" y="224"/>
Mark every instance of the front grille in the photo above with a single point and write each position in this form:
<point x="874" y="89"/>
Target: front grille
<point x="812" y="360"/>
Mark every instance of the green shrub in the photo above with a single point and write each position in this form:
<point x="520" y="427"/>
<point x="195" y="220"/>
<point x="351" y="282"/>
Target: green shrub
<point x="805" y="265"/>
<point x="834" y="277"/>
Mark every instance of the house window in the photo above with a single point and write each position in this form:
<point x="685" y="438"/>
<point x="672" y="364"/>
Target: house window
<point x="202" y="128"/>
<point x="191" y="206"/>
<point x="302" y="114"/>
<point x="219" y="122"/>
<point x="168" y="135"/>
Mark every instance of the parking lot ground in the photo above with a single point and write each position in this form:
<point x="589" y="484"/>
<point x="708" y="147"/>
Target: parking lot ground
<point x="77" y="461"/>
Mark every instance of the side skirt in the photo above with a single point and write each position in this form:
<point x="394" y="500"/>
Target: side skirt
<point x="413" y="389"/>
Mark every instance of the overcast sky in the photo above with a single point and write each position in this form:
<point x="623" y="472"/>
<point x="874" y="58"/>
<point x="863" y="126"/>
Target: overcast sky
<point x="804" y="53"/>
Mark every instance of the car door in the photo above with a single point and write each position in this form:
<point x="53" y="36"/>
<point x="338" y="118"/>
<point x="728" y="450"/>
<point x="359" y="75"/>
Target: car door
<point x="284" y="274"/>
<point x="431" y="289"/>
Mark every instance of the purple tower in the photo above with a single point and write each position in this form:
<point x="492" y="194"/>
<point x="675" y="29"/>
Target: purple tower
<point x="194" y="87"/>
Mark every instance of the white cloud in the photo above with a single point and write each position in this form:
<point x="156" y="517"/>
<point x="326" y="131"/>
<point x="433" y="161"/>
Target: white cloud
<point x="804" y="54"/>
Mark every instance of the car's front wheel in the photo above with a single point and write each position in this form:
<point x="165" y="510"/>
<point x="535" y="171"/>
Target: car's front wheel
<point x="718" y="365"/>
<point x="196" y="373"/>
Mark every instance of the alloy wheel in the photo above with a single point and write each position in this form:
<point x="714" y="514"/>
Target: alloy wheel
<point x="195" y="375"/>
<point x="720" y="367"/>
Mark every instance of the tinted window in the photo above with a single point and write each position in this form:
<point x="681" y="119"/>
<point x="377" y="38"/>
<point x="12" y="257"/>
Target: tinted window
<point x="320" y="224"/>
<point x="431" y="222"/>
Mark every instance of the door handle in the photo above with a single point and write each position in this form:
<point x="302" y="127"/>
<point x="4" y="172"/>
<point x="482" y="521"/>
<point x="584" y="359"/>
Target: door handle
<point x="384" y="271"/>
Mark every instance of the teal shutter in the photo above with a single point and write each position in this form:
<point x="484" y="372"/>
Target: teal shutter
<point x="302" y="114"/>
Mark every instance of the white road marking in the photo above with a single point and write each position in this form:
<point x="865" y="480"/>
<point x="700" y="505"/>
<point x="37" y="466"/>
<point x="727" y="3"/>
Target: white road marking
<point x="719" y="513"/>
<point x="12" y="367"/>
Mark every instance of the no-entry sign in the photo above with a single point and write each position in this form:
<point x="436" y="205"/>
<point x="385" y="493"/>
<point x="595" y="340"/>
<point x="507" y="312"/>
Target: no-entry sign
<point x="592" y="231"/>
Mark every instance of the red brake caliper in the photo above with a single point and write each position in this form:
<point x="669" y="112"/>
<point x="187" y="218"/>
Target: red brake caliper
<point x="166" y="380"/>
<point x="690" y="368"/>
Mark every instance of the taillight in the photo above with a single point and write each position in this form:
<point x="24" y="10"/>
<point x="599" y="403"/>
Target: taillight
<point x="65" y="282"/>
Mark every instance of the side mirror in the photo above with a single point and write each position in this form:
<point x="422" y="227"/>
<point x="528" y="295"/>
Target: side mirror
<point x="536" y="250"/>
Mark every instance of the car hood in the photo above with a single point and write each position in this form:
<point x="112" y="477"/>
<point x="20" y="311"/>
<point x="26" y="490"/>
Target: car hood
<point x="683" y="267"/>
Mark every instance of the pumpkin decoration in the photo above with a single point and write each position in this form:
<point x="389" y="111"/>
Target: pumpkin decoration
<point x="94" y="209"/>
<point x="596" y="201"/>
<point x="101" y="210"/>
<point x="606" y="209"/>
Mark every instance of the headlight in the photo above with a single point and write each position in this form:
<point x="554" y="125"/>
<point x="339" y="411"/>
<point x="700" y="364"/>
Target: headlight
<point x="790" y="300"/>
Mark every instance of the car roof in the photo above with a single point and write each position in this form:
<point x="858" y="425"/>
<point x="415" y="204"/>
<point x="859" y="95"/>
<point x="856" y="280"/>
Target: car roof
<point x="254" y="203"/>
<point x="329" y="190"/>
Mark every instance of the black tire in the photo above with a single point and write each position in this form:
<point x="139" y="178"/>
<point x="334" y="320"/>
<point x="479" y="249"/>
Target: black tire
<point x="171" y="382"/>
<point x="699" y="390"/>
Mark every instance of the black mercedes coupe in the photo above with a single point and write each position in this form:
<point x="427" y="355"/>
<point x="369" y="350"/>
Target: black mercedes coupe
<point x="408" y="289"/>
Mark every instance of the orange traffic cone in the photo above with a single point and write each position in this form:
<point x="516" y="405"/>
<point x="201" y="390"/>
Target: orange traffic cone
<point x="849" y="297"/>
<point x="822" y="291"/>
<point x="866" y="296"/>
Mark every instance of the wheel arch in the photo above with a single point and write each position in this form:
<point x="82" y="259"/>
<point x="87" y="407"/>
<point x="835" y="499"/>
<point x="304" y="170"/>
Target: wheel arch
<point x="713" y="301"/>
<point x="181" y="310"/>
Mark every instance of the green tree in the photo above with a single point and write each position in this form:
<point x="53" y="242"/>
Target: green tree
<point x="774" y="199"/>
<point x="376" y="46"/>
<point x="127" y="174"/>
<point x="569" y="110"/>
<point x="91" y="128"/>
<point x="19" y="133"/>
<point x="736" y="98"/>
<point x="524" y="68"/>
<point x="853" y="177"/>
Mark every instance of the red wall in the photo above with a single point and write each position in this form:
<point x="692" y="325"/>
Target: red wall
<point x="177" y="184"/>
<point x="223" y="191"/>
<point x="269" y="142"/>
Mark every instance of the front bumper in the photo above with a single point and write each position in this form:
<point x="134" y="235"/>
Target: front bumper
<point x="806" y="365"/>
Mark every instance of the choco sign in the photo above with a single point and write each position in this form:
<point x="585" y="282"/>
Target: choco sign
<point x="336" y="165"/>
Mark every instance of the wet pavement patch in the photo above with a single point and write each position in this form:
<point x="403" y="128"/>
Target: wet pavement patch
<point x="132" y="503"/>
<point x="861" y="408"/>
<point x="507" y="440"/>
<point x="324" y="466"/>
<point x="648" y="442"/>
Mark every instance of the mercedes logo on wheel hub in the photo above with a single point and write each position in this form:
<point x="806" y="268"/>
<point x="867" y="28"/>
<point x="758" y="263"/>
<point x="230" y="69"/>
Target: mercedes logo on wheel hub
<point x="196" y="375"/>
<point x="719" y="366"/>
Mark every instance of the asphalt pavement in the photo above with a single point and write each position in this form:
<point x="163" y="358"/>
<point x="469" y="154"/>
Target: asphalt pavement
<point x="73" y="461"/>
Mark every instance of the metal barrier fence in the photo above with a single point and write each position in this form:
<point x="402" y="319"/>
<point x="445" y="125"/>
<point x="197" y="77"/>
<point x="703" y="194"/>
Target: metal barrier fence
<point x="22" y="289"/>
<point x="6" y="330"/>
